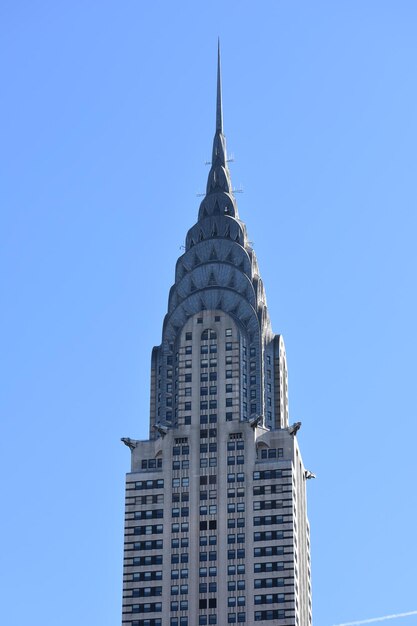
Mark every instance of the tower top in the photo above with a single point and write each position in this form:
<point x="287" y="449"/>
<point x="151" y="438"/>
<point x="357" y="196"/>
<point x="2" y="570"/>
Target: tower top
<point x="219" y="106"/>
<point x="219" y="197"/>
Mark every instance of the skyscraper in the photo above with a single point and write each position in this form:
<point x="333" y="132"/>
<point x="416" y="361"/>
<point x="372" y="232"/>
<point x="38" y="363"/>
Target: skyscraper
<point x="216" y="527"/>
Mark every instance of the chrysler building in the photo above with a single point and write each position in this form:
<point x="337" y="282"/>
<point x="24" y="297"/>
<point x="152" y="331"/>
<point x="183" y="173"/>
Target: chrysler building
<point x="216" y="528"/>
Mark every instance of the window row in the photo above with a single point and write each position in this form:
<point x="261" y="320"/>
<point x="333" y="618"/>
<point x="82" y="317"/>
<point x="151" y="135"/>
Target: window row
<point x="184" y="496"/>
<point x="156" y="498"/>
<point x="179" y="621"/>
<point x="184" y="511"/>
<point x="208" y="525"/>
<point x="236" y="523"/>
<point x="268" y="520"/>
<point x="208" y="510"/>
<point x="145" y="576"/>
<point x="268" y="551"/>
<point x="207" y="619"/>
<point x="207" y="571"/>
<point x="183" y="527"/>
<point x="151" y="463"/>
<point x="274" y="566"/>
<point x="205" y="405"/>
<point x="272" y="453"/>
<point x="155" y="529"/>
<point x="187" y="363"/>
<point x="177" y="450"/>
<point x="149" y="607"/>
<point x="203" y="363"/>
<point x="184" y="464"/>
<point x="176" y="573"/>
<point x="270" y="598"/>
<point x="211" y="479"/>
<point x="208" y="556"/>
<point x="240" y="477"/>
<point x="206" y="376"/>
<point x="236" y="460"/>
<point x="208" y="462"/>
<point x="261" y="616"/>
<point x="155" y="559"/>
<point x="149" y="514"/>
<point x="269" y="505"/>
<point x="232" y="570"/>
<point x="235" y="445"/>
<point x="210" y="587"/>
<point x="184" y="482"/>
<point x="271" y="474"/>
<point x="183" y="543"/>
<point x="269" y="535"/>
<point x="208" y="432"/>
<point x="182" y="605"/>
<point x="232" y="585"/>
<point x="233" y="618"/>
<point x="206" y="419"/>
<point x="206" y="348"/>
<point x="155" y="544"/>
<point x="150" y="484"/>
<point x="233" y="507"/>
<point x="179" y="558"/>
<point x="236" y="554"/>
<point x="266" y="583"/>
<point x="145" y="592"/>
<point x="210" y="540"/>
<point x="210" y="603"/>
<point x="212" y="494"/>
<point x="260" y="490"/>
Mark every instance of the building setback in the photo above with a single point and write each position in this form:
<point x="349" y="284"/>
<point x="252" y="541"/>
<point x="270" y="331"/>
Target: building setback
<point x="216" y="527"/>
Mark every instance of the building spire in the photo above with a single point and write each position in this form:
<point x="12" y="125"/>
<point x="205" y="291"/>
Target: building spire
<point x="219" y="197"/>
<point x="219" y="107"/>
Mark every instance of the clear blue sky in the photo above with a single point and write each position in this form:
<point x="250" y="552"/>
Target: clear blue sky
<point x="107" y="117"/>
